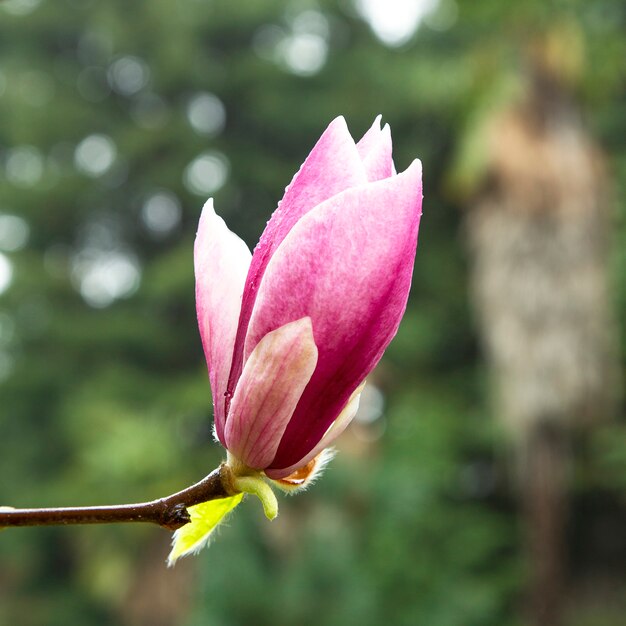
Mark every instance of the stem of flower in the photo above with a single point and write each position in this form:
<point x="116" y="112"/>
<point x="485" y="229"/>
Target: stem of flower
<point x="256" y="486"/>
<point x="169" y="512"/>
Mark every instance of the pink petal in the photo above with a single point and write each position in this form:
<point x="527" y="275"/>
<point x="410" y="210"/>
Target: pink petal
<point x="332" y="166"/>
<point x="268" y="391"/>
<point x="338" y="426"/>
<point x="375" y="151"/>
<point x="221" y="261"/>
<point x="348" y="265"/>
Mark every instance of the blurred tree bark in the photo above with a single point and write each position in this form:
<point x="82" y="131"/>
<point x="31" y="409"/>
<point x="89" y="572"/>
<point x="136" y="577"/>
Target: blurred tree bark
<point x="538" y="228"/>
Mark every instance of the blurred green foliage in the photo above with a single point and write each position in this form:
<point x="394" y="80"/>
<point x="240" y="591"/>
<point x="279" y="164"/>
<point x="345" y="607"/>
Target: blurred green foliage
<point x="103" y="393"/>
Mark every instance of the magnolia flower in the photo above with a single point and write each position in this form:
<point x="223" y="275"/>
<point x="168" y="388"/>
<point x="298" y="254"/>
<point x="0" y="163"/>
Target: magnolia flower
<point x="291" y="332"/>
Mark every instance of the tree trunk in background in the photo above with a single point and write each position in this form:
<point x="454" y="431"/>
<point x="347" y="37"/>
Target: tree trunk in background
<point x="538" y="233"/>
<point x="544" y="493"/>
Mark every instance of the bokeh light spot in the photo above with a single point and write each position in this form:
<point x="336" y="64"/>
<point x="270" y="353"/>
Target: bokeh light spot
<point x="206" y="114"/>
<point x="24" y="166"/>
<point x="395" y="21"/>
<point x="301" y="49"/>
<point x="304" y="53"/>
<point x="6" y="273"/>
<point x="206" y="173"/>
<point x="20" y="7"/>
<point x="443" y="17"/>
<point x="161" y="213"/>
<point x="371" y="405"/>
<point x="103" y="276"/>
<point x="128" y="75"/>
<point x="95" y="155"/>
<point x="14" y="233"/>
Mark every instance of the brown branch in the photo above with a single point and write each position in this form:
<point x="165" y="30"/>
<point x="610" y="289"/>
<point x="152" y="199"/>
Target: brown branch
<point x="169" y="512"/>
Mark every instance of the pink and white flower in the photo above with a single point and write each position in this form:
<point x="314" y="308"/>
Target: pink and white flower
<point x="291" y="332"/>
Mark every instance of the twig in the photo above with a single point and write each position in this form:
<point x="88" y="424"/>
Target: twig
<point x="169" y="512"/>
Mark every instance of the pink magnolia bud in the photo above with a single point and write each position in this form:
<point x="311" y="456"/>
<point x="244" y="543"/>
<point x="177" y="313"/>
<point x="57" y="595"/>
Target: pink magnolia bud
<point x="291" y="332"/>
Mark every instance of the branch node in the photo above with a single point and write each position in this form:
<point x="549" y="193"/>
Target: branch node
<point x="175" y="517"/>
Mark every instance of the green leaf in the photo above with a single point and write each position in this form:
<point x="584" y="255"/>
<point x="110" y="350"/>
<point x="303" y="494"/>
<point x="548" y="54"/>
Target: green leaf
<point x="205" y="518"/>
